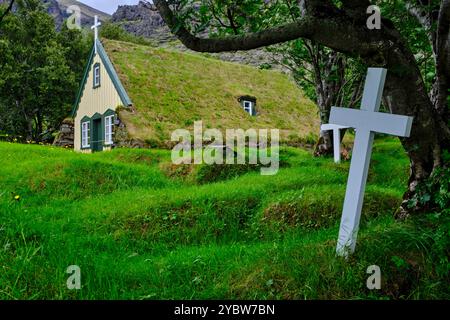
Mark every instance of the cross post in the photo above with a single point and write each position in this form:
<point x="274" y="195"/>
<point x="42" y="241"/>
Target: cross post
<point x="366" y="121"/>
<point x="336" y="139"/>
<point x="95" y="28"/>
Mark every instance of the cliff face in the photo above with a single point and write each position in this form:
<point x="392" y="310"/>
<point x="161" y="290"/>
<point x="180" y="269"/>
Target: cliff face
<point x="55" y="11"/>
<point x="144" y="20"/>
<point x="138" y="13"/>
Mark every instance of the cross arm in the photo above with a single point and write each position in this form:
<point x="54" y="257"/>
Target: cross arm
<point x="330" y="126"/>
<point x="386" y="123"/>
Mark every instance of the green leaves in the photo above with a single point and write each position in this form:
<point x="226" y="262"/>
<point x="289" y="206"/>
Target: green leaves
<point x="39" y="71"/>
<point x="434" y="193"/>
<point x="399" y="262"/>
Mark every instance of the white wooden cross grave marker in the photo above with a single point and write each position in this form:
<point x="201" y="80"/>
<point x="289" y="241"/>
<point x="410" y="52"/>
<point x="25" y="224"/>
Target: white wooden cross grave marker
<point x="95" y="28"/>
<point x="336" y="138"/>
<point x="366" y="121"/>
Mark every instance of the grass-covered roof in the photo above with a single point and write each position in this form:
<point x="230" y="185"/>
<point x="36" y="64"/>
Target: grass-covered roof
<point x="171" y="90"/>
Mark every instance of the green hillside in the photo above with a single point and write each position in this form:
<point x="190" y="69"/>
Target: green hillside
<point x="171" y="90"/>
<point x="140" y="228"/>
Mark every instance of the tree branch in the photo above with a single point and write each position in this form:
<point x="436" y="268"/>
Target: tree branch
<point x="216" y="16"/>
<point x="231" y="20"/>
<point x="320" y="28"/>
<point x="420" y="14"/>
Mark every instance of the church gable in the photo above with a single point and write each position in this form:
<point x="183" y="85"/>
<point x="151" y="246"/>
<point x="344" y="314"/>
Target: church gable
<point x="106" y="72"/>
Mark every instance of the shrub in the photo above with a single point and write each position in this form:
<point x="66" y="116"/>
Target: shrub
<point x="114" y="31"/>
<point x="434" y="193"/>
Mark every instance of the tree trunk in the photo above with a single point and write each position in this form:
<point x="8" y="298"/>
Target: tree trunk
<point x="405" y="94"/>
<point x="29" y="130"/>
<point x="39" y="127"/>
<point x="324" y="145"/>
<point x="328" y="86"/>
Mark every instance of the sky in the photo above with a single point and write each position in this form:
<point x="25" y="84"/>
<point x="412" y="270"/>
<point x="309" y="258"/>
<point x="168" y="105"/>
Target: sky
<point x="108" y="6"/>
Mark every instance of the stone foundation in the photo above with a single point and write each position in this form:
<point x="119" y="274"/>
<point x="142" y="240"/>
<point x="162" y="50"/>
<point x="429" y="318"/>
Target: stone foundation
<point x="121" y="137"/>
<point x="65" y="136"/>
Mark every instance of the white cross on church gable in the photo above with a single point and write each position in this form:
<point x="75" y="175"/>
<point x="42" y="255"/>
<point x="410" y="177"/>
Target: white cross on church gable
<point x="95" y="28"/>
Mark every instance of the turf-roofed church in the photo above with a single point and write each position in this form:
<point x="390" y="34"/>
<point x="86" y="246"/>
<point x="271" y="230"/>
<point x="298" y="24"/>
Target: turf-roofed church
<point x="136" y="95"/>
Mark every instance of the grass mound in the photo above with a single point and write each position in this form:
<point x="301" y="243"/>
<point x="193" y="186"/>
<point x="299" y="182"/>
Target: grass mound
<point x="320" y="207"/>
<point x="37" y="177"/>
<point x="138" y="234"/>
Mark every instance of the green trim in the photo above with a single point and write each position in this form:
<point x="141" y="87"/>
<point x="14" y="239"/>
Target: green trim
<point x="108" y="113"/>
<point x="113" y="75"/>
<point x="126" y="101"/>
<point x="97" y="145"/>
<point x="85" y="119"/>
<point x="101" y="143"/>
<point x="83" y="83"/>
<point x="96" y="116"/>
<point x="94" y="86"/>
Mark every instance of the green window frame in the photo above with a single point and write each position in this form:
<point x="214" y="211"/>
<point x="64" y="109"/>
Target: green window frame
<point x="108" y="120"/>
<point x="85" y="126"/>
<point x="106" y="138"/>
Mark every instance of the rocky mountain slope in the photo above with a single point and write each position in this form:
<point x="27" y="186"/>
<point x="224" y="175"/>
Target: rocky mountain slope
<point x="87" y="12"/>
<point x="58" y="10"/>
<point x="144" y="20"/>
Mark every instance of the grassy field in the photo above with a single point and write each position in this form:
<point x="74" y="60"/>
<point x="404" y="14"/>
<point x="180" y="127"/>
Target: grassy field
<point x="140" y="228"/>
<point x="172" y="90"/>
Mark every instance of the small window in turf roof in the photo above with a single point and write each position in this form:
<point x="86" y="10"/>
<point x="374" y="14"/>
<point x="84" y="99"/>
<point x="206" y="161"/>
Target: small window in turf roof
<point x="248" y="103"/>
